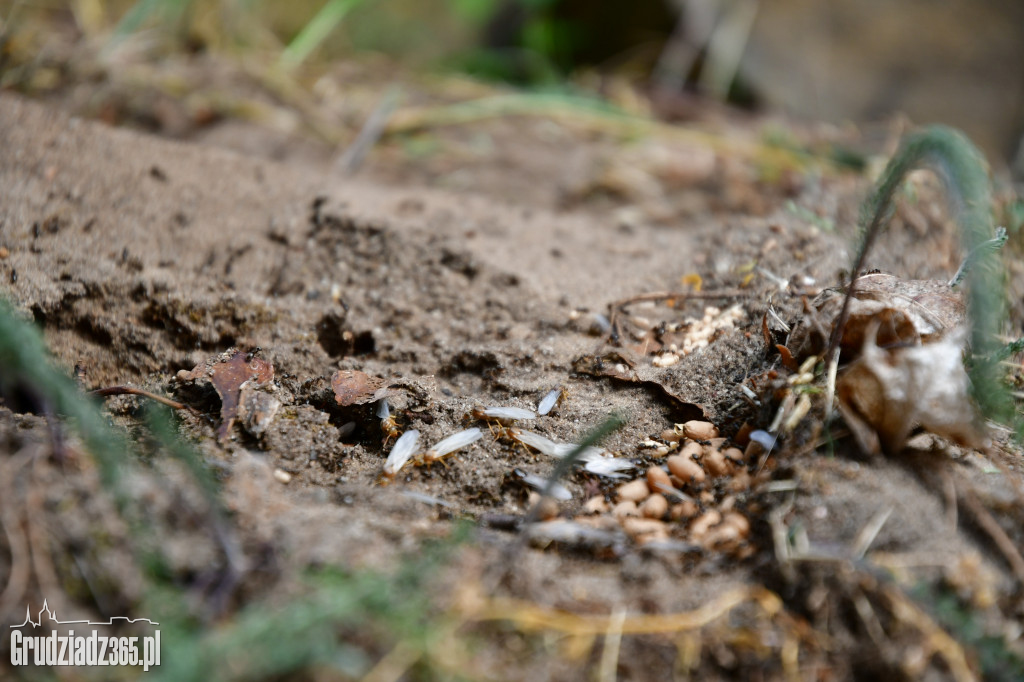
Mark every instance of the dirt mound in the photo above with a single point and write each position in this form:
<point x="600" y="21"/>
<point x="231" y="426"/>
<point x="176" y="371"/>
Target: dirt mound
<point x="141" y="257"/>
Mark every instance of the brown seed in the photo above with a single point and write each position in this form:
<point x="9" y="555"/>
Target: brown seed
<point x="684" y="510"/>
<point x="648" y="529"/>
<point x="716" y="464"/>
<point x="739" y="522"/>
<point x="753" y="451"/>
<point x="4" y="253"/>
<point x="658" y="480"/>
<point x="743" y="435"/>
<point x="624" y="509"/>
<point x="547" y="507"/>
<point x="740" y="481"/>
<point x="704" y="522"/>
<point x="720" y="535"/>
<point x="595" y="505"/>
<point x="655" y="506"/>
<point x="692" y="449"/>
<point x="734" y="454"/>
<point x="699" y="430"/>
<point x="717" y="442"/>
<point x="671" y="435"/>
<point x="636" y="491"/>
<point x="686" y="469"/>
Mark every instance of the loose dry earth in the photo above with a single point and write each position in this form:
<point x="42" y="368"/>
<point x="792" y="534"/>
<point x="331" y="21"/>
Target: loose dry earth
<point x="140" y="257"/>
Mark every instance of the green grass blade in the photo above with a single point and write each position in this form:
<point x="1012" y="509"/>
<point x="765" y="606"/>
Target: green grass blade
<point x="316" y="31"/>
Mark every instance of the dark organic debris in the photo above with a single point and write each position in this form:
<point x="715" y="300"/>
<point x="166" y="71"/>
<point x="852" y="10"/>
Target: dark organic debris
<point x="352" y="387"/>
<point x="907" y="312"/>
<point x="903" y="343"/>
<point x="886" y="392"/>
<point x="232" y="371"/>
<point x="618" y="366"/>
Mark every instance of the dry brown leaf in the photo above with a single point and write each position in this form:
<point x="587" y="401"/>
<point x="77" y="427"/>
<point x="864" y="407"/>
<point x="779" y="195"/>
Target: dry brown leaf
<point x="886" y="392"/>
<point x="228" y="374"/>
<point x="229" y="377"/>
<point x="907" y="312"/>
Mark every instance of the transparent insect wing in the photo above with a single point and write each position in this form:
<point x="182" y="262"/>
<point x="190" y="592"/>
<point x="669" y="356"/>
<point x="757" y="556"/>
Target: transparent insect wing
<point x="508" y="413"/>
<point x="454" y="442"/>
<point x="610" y="467"/>
<point x="589" y="453"/>
<point x="558" y="491"/>
<point x="405" y="448"/>
<point x="548" y="401"/>
<point x="383" y="410"/>
<point x="540" y="443"/>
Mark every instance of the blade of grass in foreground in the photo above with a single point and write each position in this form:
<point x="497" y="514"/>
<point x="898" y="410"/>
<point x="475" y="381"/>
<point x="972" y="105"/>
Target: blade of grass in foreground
<point x="316" y="31"/>
<point x="25" y="363"/>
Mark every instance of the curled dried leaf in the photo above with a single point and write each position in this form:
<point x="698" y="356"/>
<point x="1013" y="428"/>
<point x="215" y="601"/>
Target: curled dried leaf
<point x="906" y="312"/>
<point x="228" y="373"/>
<point x="887" y="392"/>
<point x="228" y="378"/>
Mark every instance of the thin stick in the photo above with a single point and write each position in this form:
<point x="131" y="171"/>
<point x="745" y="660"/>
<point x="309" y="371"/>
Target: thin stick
<point x="130" y="390"/>
<point x="1002" y="541"/>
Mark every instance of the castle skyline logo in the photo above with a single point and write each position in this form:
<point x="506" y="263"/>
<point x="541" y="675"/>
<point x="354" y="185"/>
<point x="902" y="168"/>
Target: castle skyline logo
<point x="51" y="616"/>
<point x="93" y="649"/>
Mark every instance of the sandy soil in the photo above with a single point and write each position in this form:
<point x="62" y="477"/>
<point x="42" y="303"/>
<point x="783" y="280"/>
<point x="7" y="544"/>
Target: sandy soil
<point x="140" y="257"/>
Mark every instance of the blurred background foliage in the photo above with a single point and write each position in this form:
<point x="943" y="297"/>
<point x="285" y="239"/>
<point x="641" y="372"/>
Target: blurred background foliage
<point x="951" y="61"/>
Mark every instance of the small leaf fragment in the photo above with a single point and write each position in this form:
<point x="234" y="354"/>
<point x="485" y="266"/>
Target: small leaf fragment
<point x="228" y="378"/>
<point x="352" y="387"/>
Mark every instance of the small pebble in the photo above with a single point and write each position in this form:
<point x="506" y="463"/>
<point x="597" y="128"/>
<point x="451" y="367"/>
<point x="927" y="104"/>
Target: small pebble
<point x="282" y="476"/>
<point x="699" y="430"/>
<point x="654" y="507"/>
<point x="686" y="469"/>
<point x="4" y="253"/>
<point x="637" y="491"/>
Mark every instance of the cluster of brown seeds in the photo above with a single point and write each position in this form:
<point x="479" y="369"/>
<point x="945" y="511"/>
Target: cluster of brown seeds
<point x="678" y="499"/>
